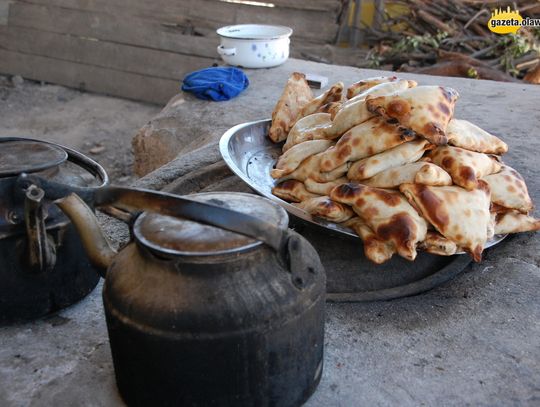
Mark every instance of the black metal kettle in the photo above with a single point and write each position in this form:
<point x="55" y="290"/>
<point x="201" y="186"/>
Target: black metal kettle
<point x="224" y="309"/>
<point x="43" y="266"/>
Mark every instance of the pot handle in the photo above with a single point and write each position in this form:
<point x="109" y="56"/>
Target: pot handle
<point x="226" y="51"/>
<point x="120" y="202"/>
<point x="134" y="200"/>
<point x="297" y="254"/>
<point x="299" y="257"/>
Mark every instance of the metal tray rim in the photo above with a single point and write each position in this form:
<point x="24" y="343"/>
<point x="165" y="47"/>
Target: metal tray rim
<point x="293" y="210"/>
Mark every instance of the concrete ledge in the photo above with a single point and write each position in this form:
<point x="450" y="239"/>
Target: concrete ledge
<point x="472" y="341"/>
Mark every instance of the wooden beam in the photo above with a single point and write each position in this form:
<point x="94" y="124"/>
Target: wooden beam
<point x="332" y="6"/>
<point x="4" y="10"/>
<point x="123" y="29"/>
<point x="309" y="24"/>
<point x="120" y="57"/>
<point x="88" y="78"/>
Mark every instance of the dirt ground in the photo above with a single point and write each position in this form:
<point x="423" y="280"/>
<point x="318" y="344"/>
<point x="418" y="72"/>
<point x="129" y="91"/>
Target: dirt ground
<point x="99" y="126"/>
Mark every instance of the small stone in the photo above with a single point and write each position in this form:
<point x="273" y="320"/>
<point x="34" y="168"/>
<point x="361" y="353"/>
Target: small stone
<point x="5" y="81"/>
<point x="17" y="80"/>
<point x="58" y="320"/>
<point x="97" y="149"/>
<point x="124" y="179"/>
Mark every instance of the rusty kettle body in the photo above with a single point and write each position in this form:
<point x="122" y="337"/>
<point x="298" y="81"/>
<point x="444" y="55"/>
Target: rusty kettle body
<point x="201" y="316"/>
<point x="233" y="331"/>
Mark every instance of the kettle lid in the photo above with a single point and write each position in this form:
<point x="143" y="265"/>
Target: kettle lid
<point x="18" y="156"/>
<point x="174" y="236"/>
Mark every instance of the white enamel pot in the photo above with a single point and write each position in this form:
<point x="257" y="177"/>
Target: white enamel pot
<point x="254" y="45"/>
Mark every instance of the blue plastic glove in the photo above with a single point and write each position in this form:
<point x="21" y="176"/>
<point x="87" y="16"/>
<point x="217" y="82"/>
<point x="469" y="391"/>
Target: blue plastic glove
<point x="216" y="84"/>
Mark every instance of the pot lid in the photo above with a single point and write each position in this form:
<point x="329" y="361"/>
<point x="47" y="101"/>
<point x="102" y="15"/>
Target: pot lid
<point x="169" y="235"/>
<point x="18" y="156"/>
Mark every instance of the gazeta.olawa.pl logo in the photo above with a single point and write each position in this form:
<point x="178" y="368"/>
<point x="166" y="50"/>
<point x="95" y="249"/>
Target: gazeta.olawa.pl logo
<point x="509" y="21"/>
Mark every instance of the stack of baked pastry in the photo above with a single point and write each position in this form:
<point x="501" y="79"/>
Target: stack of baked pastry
<point x="386" y="158"/>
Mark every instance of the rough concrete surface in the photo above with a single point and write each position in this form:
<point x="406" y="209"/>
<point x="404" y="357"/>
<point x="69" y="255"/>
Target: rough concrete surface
<point x="472" y="341"/>
<point x="99" y="126"/>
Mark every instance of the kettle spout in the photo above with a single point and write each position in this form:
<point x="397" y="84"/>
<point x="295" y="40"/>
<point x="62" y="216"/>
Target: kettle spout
<point x="97" y="246"/>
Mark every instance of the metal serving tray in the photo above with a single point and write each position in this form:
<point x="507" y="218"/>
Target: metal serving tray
<point x="250" y="154"/>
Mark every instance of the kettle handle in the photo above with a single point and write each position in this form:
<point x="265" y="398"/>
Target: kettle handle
<point x="135" y="200"/>
<point x="118" y="200"/>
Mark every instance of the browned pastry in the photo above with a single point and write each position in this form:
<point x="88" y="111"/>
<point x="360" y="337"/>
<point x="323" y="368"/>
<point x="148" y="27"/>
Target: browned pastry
<point x="311" y="127"/>
<point x="346" y="117"/>
<point x="311" y="168"/>
<point x="395" y="157"/>
<point x="459" y="215"/>
<point x="387" y="213"/>
<point x="295" y="96"/>
<point x="371" y="137"/>
<point x="292" y="191"/>
<point x="334" y="94"/>
<point x="355" y="111"/>
<point x="508" y="189"/>
<point x="420" y="172"/>
<point x="424" y="109"/>
<point x="435" y="243"/>
<point x="292" y="158"/>
<point x="364" y="84"/>
<point x="382" y="89"/>
<point x="324" y="207"/>
<point x="465" y="167"/>
<point x="461" y="190"/>
<point x="491" y="225"/>
<point x="376" y="250"/>
<point x="323" y="188"/>
<point x="464" y="134"/>
<point x="497" y="208"/>
<point x="331" y="108"/>
<point x="515" y="222"/>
